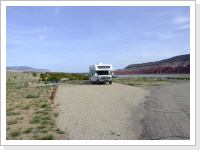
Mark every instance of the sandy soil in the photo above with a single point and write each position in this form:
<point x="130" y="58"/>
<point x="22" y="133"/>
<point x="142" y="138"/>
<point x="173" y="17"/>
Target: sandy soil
<point x="101" y="112"/>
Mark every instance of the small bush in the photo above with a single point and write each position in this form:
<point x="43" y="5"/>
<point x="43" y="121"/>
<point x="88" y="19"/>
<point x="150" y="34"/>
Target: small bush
<point x="41" y="127"/>
<point x="56" y="114"/>
<point x="35" y="120"/>
<point x="46" y="118"/>
<point x="29" y="130"/>
<point x="12" y="122"/>
<point x="12" y="113"/>
<point x="44" y="105"/>
<point x="42" y="112"/>
<point x="34" y="74"/>
<point x="44" y="131"/>
<point x="44" y="122"/>
<point x="60" y="132"/>
<point x="32" y="96"/>
<point x="15" y="133"/>
<point x="49" y="137"/>
<point x="26" y="107"/>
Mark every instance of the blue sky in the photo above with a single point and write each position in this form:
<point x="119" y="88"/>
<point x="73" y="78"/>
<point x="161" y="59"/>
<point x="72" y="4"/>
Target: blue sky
<point x="71" y="38"/>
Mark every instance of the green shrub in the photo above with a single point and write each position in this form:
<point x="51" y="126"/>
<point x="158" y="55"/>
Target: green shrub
<point x="32" y="96"/>
<point x="56" y="114"/>
<point x="35" y="120"/>
<point x="46" y="118"/>
<point x="9" y="113"/>
<point x="26" y="107"/>
<point x="44" y="105"/>
<point x="15" y="133"/>
<point x="34" y="74"/>
<point x="49" y="137"/>
<point x="12" y="122"/>
<point x="41" y="127"/>
<point x="29" y="130"/>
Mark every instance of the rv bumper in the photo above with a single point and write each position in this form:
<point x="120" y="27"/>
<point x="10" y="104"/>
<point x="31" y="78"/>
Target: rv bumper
<point x="105" y="80"/>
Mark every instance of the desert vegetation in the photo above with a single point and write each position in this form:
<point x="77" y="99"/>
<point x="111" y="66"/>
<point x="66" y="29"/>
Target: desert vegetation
<point x="30" y="113"/>
<point x="49" y="76"/>
<point x="142" y="81"/>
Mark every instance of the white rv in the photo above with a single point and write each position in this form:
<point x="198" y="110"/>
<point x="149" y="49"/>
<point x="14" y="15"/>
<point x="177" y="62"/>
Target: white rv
<point x="100" y="73"/>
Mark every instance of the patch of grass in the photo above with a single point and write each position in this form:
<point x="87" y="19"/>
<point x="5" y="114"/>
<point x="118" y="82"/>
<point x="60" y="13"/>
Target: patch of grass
<point x="10" y="109"/>
<point x="8" y="128"/>
<point x="29" y="130"/>
<point x="9" y="113"/>
<point x="46" y="118"/>
<point x="155" y="84"/>
<point x="49" y="137"/>
<point x="44" y="131"/>
<point x="35" y="120"/>
<point x="112" y="133"/>
<point x="11" y="122"/>
<point x="38" y="112"/>
<point x="15" y="133"/>
<point x="44" y="105"/>
<point x="44" y="122"/>
<point x="32" y="96"/>
<point x="35" y="136"/>
<point x="137" y="81"/>
<point x="26" y="107"/>
<point x="61" y="132"/>
<point x="42" y="112"/>
<point x="56" y="114"/>
<point x="41" y="127"/>
<point x="179" y="78"/>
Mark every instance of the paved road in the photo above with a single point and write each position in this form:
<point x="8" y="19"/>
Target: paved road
<point x="101" y="112"/>
<point x="168" y="113"/>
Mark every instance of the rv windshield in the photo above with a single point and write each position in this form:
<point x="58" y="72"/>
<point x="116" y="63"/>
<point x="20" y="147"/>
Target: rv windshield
<point x="103" y="73"/>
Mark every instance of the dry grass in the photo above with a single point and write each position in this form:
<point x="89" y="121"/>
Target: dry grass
<point x="30" y="113"/>
<point x="142" y="81"/>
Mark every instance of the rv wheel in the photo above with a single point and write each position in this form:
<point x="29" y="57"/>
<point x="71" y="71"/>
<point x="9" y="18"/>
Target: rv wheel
<point x="110" y="82"/>
<point x="98" y="82"/>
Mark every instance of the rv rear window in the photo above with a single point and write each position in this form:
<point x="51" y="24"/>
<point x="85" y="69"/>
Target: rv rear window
<point x="103" y="67"/>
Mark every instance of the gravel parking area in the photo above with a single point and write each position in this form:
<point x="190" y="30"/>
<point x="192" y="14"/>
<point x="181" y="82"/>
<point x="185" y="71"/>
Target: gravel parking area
<point x="101" y="112"/>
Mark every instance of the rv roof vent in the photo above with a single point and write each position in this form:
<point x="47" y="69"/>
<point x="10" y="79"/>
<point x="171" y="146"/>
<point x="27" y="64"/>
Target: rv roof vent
<point x="99" y="63"/>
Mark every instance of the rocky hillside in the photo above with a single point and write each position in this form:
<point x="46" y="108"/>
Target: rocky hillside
<point x="177" y="64"/>
<point x="25" y="68"/>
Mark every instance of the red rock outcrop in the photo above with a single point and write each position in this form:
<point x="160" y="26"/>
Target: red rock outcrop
<point x="178" y="64"/>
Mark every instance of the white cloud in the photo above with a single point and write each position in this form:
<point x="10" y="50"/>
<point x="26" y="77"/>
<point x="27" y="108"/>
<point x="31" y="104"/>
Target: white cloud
<point x="159" y="35"/>
<point x="182" y="20"/>
<point x="185" y="26"/>
<point x="165" y="36"/>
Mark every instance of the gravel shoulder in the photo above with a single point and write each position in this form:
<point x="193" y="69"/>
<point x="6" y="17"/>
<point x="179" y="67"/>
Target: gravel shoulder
<point x="101" y="112"/>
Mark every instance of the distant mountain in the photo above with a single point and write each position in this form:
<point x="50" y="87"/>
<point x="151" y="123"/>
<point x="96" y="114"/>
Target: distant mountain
<point x="177" y="64"/>
<point x="25" y="68"/>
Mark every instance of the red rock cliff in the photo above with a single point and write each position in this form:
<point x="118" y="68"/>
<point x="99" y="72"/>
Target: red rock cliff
<point x="177" y="64"/>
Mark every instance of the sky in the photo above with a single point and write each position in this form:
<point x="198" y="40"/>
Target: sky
<point x="71" y="38"/>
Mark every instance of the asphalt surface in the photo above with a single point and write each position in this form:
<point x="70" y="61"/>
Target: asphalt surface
<point x="167" y="113"/>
